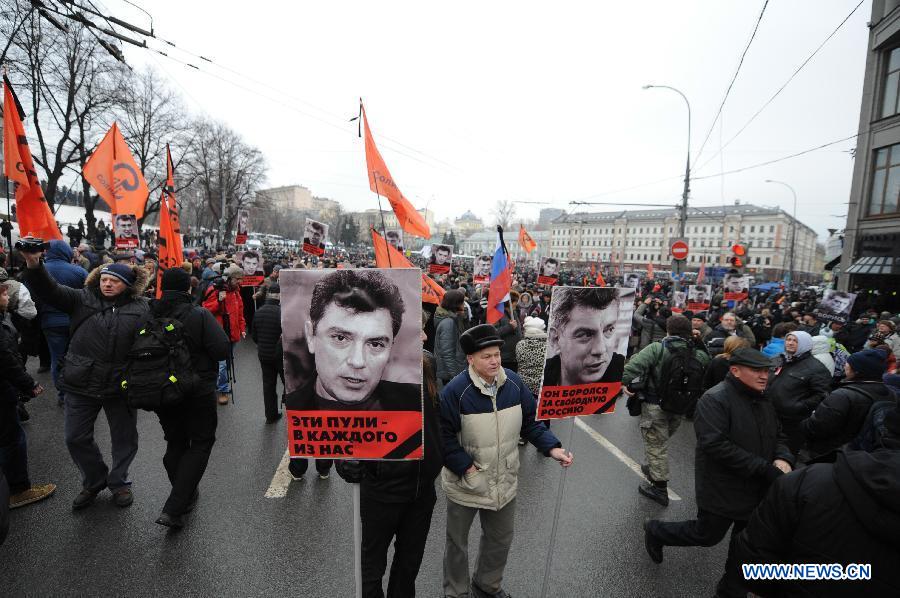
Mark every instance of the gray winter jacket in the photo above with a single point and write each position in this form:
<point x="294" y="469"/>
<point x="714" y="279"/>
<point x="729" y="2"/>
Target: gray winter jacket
<point x="450" y="357"/>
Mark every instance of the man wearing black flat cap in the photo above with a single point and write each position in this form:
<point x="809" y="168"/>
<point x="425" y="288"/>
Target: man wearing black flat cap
<point x="484" y="411"/>
<point x="740" y="452"/>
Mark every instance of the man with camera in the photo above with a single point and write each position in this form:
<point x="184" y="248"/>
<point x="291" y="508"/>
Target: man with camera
<point x="105" y="315"/>
<point x="223" y="298"/>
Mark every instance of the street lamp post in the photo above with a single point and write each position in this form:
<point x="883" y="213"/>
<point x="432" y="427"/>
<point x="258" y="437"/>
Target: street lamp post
<point x="682" y="226"/>
<point x="789" y="279"/>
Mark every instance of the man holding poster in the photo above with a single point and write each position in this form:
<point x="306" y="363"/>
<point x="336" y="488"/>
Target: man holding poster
<point x="481" y="272"/>
<point x="353" y="365"/>
<point x="586" y="346"/>
<point x="698" y="297"/>
<point x="549" y="272"/>
<point x="439" y="262"/>
<point x="126" y="231"/>
<point x="243" y="227"/>
<point x="736" y="287"/>
<point x="484" y="411"/>
<point x="314" y="236"/>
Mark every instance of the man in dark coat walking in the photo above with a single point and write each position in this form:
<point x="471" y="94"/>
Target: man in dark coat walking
<point x="266" y="334"/>
<point x="738" y="456"/>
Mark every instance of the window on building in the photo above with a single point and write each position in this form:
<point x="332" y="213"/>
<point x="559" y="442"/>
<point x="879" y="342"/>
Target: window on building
<point x="768" y="260"/>
<point x="768" y="243"/>
<point x="757" y="261"/>
<point x="752" y="229"/>
<point x="772" y="228"/>
<point x="885" y="181"/>
<point x="891" y="85"/>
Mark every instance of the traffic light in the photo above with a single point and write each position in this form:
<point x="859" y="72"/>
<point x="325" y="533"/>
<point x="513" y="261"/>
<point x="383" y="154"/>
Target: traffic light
<point x="738" y="255"/>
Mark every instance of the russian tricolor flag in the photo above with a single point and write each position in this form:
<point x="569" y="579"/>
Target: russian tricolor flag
<point x="501" y="281"/>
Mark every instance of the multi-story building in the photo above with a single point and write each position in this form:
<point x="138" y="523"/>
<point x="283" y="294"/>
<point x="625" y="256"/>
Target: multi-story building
<point x="871" y="251"/>
<point x="467" y="224"/>
<point x="485" y="242"/>
<point x="299" y="198"/>
<point x="635" y="238"/>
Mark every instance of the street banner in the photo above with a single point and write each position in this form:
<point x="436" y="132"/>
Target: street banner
<point x="388" y="257"/>
<point x="395" y="238"/>
<point x="548" y="273"/>
<point x="115" y="176"/>
<point x="439" y="261"/>
<point x="243" y="227"/>
<point x="481" y="272"/>
<point x="382" y="183"/>
<point x="314" y="237"/>
<point x="736" y="286"/>
<point x="251" y="264"/>
<point x="835" y="306"/>
<point x="125" y="229"/>
<point x="699" y="296"/>
<point x="353" y="363"/>
<point x="525" y="240"/>
<point x="32" y="212"/>
<point x="679" y="300"/>
<point x="586" y="346"/>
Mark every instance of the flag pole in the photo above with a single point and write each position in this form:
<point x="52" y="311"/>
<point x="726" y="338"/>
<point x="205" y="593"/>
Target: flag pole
<point x="560" y="495"/>
<point x="357" y="542"/>
<point x="9" y="218"/>
<point x="381" y="213"/>
<point x="508" y="264"/>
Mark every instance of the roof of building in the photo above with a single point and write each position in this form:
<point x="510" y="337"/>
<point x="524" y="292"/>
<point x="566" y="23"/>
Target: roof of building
<point x="469" y="216"/>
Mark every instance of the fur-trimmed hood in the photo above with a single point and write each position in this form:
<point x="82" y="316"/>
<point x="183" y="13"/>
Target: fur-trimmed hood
<point x="142" y="279"/>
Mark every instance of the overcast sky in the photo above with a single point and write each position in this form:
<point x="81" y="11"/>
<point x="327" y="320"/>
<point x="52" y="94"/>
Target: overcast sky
<point x="475" y="102"/>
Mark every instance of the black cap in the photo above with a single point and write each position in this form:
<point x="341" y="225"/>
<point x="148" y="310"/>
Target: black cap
<point x="750" y="358"/>
<point x="700" y="315"/>
<point x="176" y="279"/>
<point x="480" y="337"/>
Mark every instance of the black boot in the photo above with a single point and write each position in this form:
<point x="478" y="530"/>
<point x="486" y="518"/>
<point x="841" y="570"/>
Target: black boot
<point x="655" y="491"/>
<point x="652" y="544"/>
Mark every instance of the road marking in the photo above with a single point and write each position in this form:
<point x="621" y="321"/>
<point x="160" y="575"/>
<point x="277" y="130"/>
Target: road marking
<point x="281" y="480"/>
<point x="617" y="453"/>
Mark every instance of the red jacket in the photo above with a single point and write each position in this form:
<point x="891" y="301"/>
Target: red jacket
<point x="233" y="305"/>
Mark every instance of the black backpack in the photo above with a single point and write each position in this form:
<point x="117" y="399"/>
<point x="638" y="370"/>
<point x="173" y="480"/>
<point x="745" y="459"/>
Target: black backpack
<point x="158" y="370"/>
<point x="681" y="380"/>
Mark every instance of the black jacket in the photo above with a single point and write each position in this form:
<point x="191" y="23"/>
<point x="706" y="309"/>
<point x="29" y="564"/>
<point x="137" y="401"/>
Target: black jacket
<point x="266" y="331"/>
<point x="101" y="330"/>
<point x="14" y="380"/>
<point x="206" y="340"/>
<point x="738" y="439"/>
<point x="846" y="512"/>
<point x="797" y="387"/>
<point x="840" y="417"/>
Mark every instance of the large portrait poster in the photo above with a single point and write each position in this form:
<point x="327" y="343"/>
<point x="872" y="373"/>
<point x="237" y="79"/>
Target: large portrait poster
<point x="736" y="287"/>
<point x="314" y="235"/>
<point x="243" y="227"/>
<point x="481" y="272"/>
<point x="252" y="265"/>
<point x="439" y="262"/>
<point x="699" y="297"/>
<point x="548" y="273"/>
<point x="586" y="346"/>
<point x="835" y="306"/>
<point x="353" y="363"/>
<point x="125" y="229"/>
<point x="395" y="239"/>
<point x="632" y="280"/>
<point x="679" y="300"/>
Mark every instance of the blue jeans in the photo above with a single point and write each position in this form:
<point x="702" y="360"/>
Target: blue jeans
<point x="58" y="342"/>
<point x="222" y="384"/>
<point x="14" y="454"/>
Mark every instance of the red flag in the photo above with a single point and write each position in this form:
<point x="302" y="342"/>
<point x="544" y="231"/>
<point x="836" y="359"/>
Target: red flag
<point x="650" y="274"/>
<point x="32" y="211"/>
<point x="386" y="256"/>
<point x="382" y="183"/>
<point x="114" y="175"/>
<point x="525" y="240"/>
<point x="599" y="280"/>
<point x="171" y="250"/>
<point x="702" y="273"/>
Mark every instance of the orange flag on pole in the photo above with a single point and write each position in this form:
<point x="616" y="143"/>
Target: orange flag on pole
<point x="525" y="240"/>
<point x="32" y="212"/>
<point x="386" y="256"/>
<point x="650" y="273"/>
<point x="382" y="183"/>
<point x="114" y="175"/>
<point x="171" y="249"/>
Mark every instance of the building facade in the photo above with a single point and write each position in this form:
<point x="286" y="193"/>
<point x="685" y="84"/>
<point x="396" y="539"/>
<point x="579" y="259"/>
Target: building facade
<point x="635" y="238"/>
<point x="300" y="199"/>
<point x="870" y="256"/>
<point x="485" y="242"/>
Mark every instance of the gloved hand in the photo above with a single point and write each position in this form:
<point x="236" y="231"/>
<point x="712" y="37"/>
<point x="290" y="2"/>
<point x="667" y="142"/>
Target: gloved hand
<point x="351" y="471"/>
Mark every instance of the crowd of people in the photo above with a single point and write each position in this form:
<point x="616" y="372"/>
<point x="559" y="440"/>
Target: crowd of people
<point x="795" y="416"/>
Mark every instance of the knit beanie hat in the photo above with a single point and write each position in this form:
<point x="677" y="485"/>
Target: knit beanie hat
<point x="176" y="279"/>
<point x="869" y="364"/>
<point x="121" y="271"/>
<point x="274" y="292"/>
<point x="535" y="324"/>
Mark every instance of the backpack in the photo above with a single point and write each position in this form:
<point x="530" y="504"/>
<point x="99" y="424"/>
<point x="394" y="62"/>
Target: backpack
<point x="871" y="435"/>
<point x="158" y="371"/>
<point x="681" y="380"/>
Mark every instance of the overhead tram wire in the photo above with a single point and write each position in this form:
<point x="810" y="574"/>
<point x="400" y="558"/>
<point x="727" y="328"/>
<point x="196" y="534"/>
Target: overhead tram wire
<point x="780" y="89"/>
<point x="733" y="79"/>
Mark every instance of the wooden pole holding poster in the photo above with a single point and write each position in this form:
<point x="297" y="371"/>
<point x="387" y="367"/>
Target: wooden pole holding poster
<point x="357" y="542"/>
<point x="560" y="494"/>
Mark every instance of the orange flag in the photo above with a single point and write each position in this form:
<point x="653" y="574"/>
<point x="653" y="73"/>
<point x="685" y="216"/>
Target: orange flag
<point x="114" y="175"/>
<point x="32" y="212"/>
<point x="382" y="183"/>
<point x="525" y="240"/>
<point x="388" y="257"/>
<point x="650" y="273"/>
<point x="170" y="246"/>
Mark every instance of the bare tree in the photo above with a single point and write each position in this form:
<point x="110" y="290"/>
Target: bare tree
<point x="504" y="211"/>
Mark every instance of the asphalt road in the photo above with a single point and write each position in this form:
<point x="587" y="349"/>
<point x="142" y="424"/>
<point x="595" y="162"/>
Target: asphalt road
<point x="239" y="543"/>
